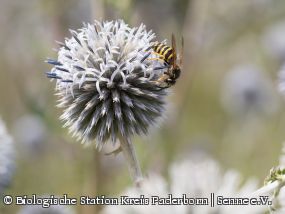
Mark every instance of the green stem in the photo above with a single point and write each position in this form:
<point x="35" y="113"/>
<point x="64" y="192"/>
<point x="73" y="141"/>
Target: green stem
<point x="132" y="161"/>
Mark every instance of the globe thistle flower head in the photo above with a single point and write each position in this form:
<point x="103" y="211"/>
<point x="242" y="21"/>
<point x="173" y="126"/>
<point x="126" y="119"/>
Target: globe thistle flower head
<point x="104" y="82"/>
<point x="247" y="91"/>
<point x="7" y="156"/>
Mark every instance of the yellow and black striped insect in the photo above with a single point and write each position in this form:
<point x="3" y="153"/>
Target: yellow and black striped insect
<point x="169" y="57"/>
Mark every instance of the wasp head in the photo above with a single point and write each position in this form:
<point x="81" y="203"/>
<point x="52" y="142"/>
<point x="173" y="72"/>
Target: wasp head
<point x="176" y="72"/>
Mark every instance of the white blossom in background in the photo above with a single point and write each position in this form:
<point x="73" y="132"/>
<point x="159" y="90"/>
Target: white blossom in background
<point x="273" y="40"/>
<point x="7" y="158"/>
<point x="196" y="178"/>
<point x="246" y="90"/>
<point x="38" y="209"/>
<point x="104" y="82"/>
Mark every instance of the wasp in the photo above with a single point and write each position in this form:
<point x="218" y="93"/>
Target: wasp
<point x="171" y="61"/>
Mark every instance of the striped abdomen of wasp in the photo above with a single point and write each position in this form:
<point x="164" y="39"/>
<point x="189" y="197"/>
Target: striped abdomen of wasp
<point x="169" y="57"/>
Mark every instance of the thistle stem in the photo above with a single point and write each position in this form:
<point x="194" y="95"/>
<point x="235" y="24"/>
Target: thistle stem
<point x="266" y="190"/>
<point x="132" y="161"/>
<point x="270" y="188"/>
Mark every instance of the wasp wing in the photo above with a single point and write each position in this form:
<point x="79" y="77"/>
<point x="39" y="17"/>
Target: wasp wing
<point x="182" y="51"/>
<point x="173" y="48"/>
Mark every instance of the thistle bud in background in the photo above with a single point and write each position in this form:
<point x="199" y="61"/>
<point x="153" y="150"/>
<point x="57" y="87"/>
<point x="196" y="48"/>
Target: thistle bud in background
<point x="105" y="82"/>
<point x="31" y="143"/>
<point x="246" y="90"/>
<point x="7" y="158"/>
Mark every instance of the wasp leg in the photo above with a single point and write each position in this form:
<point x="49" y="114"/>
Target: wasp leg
<point x="115" y="152"/>
<point x="158" y="59"/>
<point x="157" y="54"/>
<point x="159" y="88"/>
<point x="168" y="86"/>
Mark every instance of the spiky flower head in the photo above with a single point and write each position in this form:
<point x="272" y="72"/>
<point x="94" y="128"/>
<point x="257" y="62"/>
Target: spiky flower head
<point x="105" y="81"/>
<point x="7" y="156"/>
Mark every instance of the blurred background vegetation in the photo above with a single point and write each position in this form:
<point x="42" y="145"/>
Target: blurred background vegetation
<point x="226" y="102"/>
